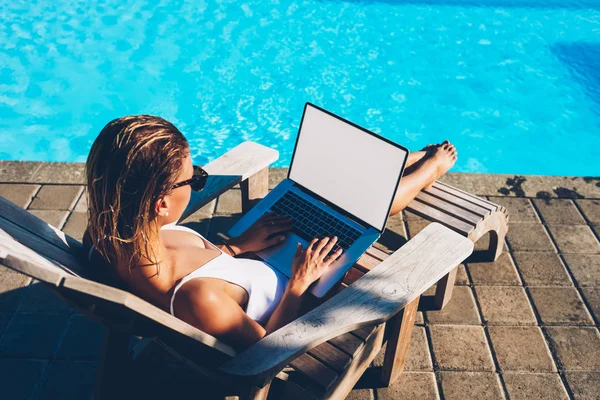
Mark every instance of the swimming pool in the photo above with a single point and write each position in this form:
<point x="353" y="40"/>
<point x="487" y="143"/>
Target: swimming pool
<point x="514" y="84"/>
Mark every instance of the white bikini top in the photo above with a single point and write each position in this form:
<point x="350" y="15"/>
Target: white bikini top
<point x="264" y="284"/>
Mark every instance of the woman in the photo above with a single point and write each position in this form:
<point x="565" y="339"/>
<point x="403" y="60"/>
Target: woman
<point x="139" y="179"/>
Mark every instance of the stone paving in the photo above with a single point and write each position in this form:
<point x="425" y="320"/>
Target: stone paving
<point x="523" y="327"/>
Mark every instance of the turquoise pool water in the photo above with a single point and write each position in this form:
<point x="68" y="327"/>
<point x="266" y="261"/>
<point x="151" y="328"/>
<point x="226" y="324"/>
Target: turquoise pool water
<point x="514" y="84"/>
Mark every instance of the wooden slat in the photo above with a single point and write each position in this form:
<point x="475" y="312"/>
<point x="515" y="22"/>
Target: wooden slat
<point x="364" y="332"/>
<point x="400" y="330"/>
<point x="37" y="227"/>
<point x="466" y="196"/>
<point x="366" y="263"/>
<point x="393" y="284"/>
<point x="237" y="165"/>
<point x="331" y="356"/>
<point x="361" y="361"/>
<point x="378" y="254"/>
<point x="62" y="260"/>
<point x="347" y="342"/>
<point x="429" y="212"/>
<point x="369" y="260"/>
<point x="458" y="201"/>
<point x="442" y="205"/>
<point x="352" y="275"/>
<point x="444" y="289"/>
<point x="464" y="192"/>
<point x="22" y="259"/>
<point x="318" y="372"/>
<point x="340" y="287"/>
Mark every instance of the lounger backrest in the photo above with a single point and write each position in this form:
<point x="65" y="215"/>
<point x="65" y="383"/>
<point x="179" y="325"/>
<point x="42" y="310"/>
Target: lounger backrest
<point x="27" y="237"/>
<point x="32" y="247"/>
<point x="35" y="248"/>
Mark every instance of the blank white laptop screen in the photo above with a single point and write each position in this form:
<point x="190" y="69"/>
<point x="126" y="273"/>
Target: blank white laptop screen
<point x="351" y="168"/>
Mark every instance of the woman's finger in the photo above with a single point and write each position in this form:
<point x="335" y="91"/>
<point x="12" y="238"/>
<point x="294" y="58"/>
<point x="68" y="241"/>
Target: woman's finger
<point x="272" y="229"/>
<point x="329" y="246"/>
<point x="280" y="221"/>
<point x="322" y="243"/>
<point x="266" y="215"/>
<point x="273" y="216"/>
<point x="298" y="250"/>
<point x="273" y="234"/>
<point x="276" y="240"/>
<point x="276" y="228"/>
<point x="310" y="248"/>
<point x="333" y="257"/>
<point x="277" y="220"/>
<point x="261" y="220"/>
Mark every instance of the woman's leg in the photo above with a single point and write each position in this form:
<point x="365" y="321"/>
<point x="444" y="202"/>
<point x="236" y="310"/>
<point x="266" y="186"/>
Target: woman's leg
<point x="416" y="156"/>
<point x="422" y="174"/>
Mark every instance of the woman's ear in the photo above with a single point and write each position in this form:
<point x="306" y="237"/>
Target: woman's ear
<point x="161" y="207"/>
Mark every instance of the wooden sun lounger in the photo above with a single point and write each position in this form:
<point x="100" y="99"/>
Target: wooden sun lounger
<point x="319" y="355"/>
<point x="467" y="214"/>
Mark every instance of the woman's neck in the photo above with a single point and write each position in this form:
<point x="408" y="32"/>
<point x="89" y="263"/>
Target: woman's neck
<point x="157" y="246"/>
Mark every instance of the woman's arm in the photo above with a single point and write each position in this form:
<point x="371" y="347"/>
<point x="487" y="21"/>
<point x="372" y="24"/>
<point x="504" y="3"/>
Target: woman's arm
<point x="269" y="230"/>
<point x="308" y="266"/>
<point x="237" y="250"/>
<point x="287" y="310"/>
<point x="205" y="305"/>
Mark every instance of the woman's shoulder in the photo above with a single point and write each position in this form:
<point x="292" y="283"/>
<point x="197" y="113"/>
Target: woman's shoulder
<point x="180" y="228"/>
<point x="198" y="239"/>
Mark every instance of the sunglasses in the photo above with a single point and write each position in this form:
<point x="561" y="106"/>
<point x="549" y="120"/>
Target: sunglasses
<point x="197" y="181"/>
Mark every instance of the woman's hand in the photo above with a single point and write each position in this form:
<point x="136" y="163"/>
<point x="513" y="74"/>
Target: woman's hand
<point x="308" y="265"/>
<point x="267" y="231"/>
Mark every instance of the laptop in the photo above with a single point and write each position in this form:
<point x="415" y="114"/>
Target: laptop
<point x="341" y="181"/>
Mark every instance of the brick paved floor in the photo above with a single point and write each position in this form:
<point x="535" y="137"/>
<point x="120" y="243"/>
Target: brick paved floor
<point x="525" y="326"/>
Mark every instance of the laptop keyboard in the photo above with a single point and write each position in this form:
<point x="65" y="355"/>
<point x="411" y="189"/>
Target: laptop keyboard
<point x="311" y="221"/>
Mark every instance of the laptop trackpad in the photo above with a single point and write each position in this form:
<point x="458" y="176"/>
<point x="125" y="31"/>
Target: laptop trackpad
<point x="280" y="256"/>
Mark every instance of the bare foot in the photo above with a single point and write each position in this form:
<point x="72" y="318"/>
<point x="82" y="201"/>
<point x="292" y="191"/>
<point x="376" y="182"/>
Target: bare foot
<point x="444" y="157"/>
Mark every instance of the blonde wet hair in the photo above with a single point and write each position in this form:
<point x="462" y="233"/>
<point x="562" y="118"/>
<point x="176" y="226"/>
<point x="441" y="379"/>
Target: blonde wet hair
<point x="134" y="162"/>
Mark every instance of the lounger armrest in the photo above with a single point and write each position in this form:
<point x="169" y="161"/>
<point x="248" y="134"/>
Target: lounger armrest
<point x="374" y="298"/>
<point x="233" y="167"/>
